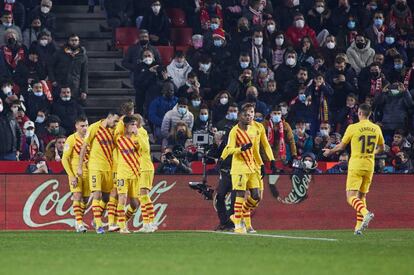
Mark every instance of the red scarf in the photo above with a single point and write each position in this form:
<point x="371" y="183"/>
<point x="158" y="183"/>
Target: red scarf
<point x="46" y="90"/>
<point x="323" y="107"/>
<point x="257" y="16"/>
<point x="271" y="137"/>
<point x="376" y="86"/>
<point x="8" y="7"/>
<point x="408" y="78"/>
<point x="13" y="60"/>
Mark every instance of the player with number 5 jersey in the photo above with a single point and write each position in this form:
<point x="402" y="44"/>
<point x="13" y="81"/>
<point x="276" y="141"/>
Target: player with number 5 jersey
<point x="366" y="141"/>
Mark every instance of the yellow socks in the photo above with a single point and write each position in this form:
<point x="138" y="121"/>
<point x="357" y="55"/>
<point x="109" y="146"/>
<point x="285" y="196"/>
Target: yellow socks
<point x="358" y="205"/>
<point x="360" y="217"/>
<point x="238" y="204"/>
<point x="130" y="212"/>
<point x="247" y="207"/>
<point x="97" y="212"/>
<point x="144" y="200"/>
<point x="121" y="216"/>
<point x="78" y="212"/>
<point x="111" y="206"/>
<point x="83" y="207"/>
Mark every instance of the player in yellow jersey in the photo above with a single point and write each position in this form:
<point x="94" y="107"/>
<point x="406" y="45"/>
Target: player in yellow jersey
<point x="244" y="144"/>
<point x="100" y="139"/>
<point x="128" y="171"/>
<point x="366" y="141"/>
<point x="145" y="180"/>
<point x="126" y="108"/>
<point x="79" y="186"/>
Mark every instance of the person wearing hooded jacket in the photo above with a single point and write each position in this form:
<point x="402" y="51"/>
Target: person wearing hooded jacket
<point x="180" y="112"/>
<point x="179" y="69"/>
<point x="157" y="23"/>
<point x="360" y="54"/>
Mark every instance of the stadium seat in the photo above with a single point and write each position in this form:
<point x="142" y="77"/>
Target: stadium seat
<point x="181" y="36"/>
<point x="167" y="54"/>
<point x="177" y="17"/>
<point x="184" y="49"/>
<point x="125" y="36"/>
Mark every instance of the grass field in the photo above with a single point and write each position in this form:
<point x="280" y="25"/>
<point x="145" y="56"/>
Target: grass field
<point x="191" y="252"/>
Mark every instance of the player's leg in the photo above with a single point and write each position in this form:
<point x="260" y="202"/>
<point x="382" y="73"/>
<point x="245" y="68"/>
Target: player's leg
<point x="147" y="207"/>
<point x="366" y="183"/>
<point x="132" y="208"/>
<point x="112" y="206"/>
<point x="239" y="183"/>
<point x="77" y="210"/>
<point x="95" y="180"/>
<point x="254" y="185"/>
<point x="122" y="186"/>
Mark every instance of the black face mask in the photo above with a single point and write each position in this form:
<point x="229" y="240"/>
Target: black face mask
<point x="375" y="75"/>
<point x="143" y="42"/>
<point x="251" y="97"/>
<point x="37" y="28"/>
<point x="181" y="135"/>
<point x="360" y="45"/>
<point x="244" y="29"/>
<point x="401" y="6"/>
<point x="11" y="41"/>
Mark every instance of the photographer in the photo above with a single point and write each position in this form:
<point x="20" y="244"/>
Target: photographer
<point x="403" y="164"/>
<point x="173" y="161"/>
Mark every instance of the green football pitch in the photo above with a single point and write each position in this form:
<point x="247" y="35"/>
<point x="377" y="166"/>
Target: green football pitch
<point x="192" y="252"/>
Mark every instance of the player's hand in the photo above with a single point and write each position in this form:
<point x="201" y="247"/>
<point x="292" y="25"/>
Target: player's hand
<point x="79" y="172"/>
<point x="246" y="146"/>
<point x="326" y="152"/>
<point x="262" y="171"/>
<point x="273" y="167"/>
<point x="74" y="182"/>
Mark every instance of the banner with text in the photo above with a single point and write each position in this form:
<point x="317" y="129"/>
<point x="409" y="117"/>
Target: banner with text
<point x="43" y="202"/>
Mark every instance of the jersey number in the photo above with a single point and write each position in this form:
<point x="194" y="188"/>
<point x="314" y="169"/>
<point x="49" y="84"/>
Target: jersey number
<point x="368" y="144"/>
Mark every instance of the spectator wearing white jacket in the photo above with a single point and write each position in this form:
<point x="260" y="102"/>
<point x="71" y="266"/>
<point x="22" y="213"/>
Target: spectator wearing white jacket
<point x="180" y="112"/>
<point x="360" y="54"/>
<point x="179" y="69"/>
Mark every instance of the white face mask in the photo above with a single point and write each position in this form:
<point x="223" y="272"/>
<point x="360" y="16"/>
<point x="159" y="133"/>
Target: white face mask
<point x="224" y="100"/>
<point x="43" y="42"/>
<point x="196" y="103"/>
<point x="258" y="41"/>
<point x="65" y="98"/>
<point x="290" y="61"/>
<point x="279" y="41"/>
<point x="308" y="164"/>
<point x="205" y="67"/>
<point x="29" y="133"/>
<point x="300" y="23"/>
<point x="284" y="110"/>
<point x="14" y="109"/>
<point x="330" y="45"/>
<point x="45" y="9"/>
<point x="1" y="108"/>
<point x="7" y="90"/>
<point x="271" y="28"/>
<point x="320" y="9"/>
<point x="40" y="119"/>
<point x="156" y="9"/>
<point x="324" y="133"/>
<point x="147" y="60"/>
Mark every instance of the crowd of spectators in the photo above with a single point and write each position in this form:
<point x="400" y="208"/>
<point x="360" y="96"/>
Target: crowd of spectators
<point x="306" y="65"/>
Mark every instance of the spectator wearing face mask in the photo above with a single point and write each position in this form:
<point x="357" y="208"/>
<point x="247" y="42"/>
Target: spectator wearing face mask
<point x="390" y="47"/>
<point x="278" y="45"/>
<point x="269" y="32"/>
<point x="7" y="94"/>
<point x="69" y="67"/>
<point x="190" y="87"/>
<point x="400" y="15"/>
<point x="374" y="85"/>
<point x="133" y="56"/>
<point x="376" y="31"/>
<point x="210" y="77"/>
<point x="160" y="106"/>
<point x="244" y="62"/>
<point x="360" y="54"/>
<point x="262" y="76"/>
<point x="220" y="105"/>
<point x="31" y="33"/>
<point x="321" y="140"/>
<point x="397" y="71"/>
<point x="237" y="87"/>
<point x="54" y="150"/>
<point x="209" y="29"/>
<point x="36" y="100"/>
<point x="13" y="51"/>
<point x="319" y="19"/>
<point x="10" y="135"/>
<point x="394" y="97"/>
<point x="196" y="50"/>
<point x="303" y="141"/>
<point x="240" y="35"/>
<point x="306" y="53"/>
<point x="220" y="52"/>
<point x="298" y="30"/>
<point x="347" y="115"/>
<point x="288" y="69"/>
<point x="43" y="12"/>
<point x="301" y="109"/>
<point x="29" y="70"/>
<point x="31" y="144"/>
<point x="202" y="122"/>
<point x="342" y="166"/>
<point x="180" y="112"/>
<point x="53" y="129"/>
<point x="179" y="69"/>
<point x="230" y="119"/>
<point x="67" y="108"/>
<point x="256" y="49"/>
<point x="194" y="105"/>
<point x="157" y="23"/>
<point x="330" y="50"/>
<point x="40" y="122"/>
<point x="252" y="97"/>
<point x="280" y="136"/>
<point x="296" y="85"/>
<point x="8" y="23"/>
<point x="403" y="164"/>
<point x="45" y="47"/>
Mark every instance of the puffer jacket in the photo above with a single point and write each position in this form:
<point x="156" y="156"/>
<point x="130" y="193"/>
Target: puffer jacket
<point x="178" y="75"/>
<point x="171" y="119"/>
<point x="360" y="58"/>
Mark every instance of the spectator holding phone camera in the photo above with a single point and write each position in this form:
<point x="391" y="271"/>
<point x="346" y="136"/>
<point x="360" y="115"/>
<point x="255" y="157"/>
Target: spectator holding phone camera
<point x="173" y="161"/>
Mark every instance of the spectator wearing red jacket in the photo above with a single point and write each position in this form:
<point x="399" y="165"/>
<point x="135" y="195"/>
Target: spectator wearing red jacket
<point x="298" y="30"/>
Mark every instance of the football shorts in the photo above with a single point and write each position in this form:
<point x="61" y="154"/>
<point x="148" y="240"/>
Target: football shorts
<point x="82" y="186"/>
<point x="246" y="181"/>
<point x="101" y="181"/>
<point x="359" y="180"/>
<point x="146" y="179"/>
<point x="127" y="186"/>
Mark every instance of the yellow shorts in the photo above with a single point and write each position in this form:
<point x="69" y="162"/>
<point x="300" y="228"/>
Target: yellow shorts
<point x="82" y="187"/>
<point x="246" y="181"/>
<point x="101" y="181"/>
<point x="127" y="186"/>
<point x="145" y="179"/>
<point x="359" y="180"/>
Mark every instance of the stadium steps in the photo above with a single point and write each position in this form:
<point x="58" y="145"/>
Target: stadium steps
<point x="109" y="82"/>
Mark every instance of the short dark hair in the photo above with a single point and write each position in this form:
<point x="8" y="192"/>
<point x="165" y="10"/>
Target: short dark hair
<point x="234" y="105"/>
<point x="246" y="106"/>
<point x="276" y="108"/>
<point x="354" y="96"/>
<point x="53" y="119"/>
<point x="179" y="54"/>
<point x="400" y="132"/>
<point x="182" y="101"/>
<point x="365" y="109"/>
<point x="129" y="119"/>
<point x="73" y="35"/>
<point x="81" y="118"/>
<point x="112" y="113"/>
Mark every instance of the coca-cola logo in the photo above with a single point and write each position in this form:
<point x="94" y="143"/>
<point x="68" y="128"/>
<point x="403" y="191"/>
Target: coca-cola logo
<point x="298" y="193"/>
<point x="46" y="201"/>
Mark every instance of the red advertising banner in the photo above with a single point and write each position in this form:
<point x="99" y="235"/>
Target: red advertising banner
<point x="43" y="202"/>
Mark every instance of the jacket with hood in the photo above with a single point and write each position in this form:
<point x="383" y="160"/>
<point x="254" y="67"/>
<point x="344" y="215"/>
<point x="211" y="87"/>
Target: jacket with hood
<point x="172" y="117"/>
<point x="360" y="58"/>
<point x="178" y="75"/>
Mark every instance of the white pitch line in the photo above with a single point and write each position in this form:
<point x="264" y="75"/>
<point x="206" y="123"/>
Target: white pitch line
<point x="277" y="236"/>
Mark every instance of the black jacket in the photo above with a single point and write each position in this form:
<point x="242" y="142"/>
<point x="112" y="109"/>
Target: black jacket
<point x="10" y="134"/>
<point x="48" y="19"/>
<point x="134" y="56"/>
<point x="158" y="25"/>
<point x="67" y="111"/>
<point x="34" y="104"/>
<point x="72" y="71"/>
<point x="28" y="69"/>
